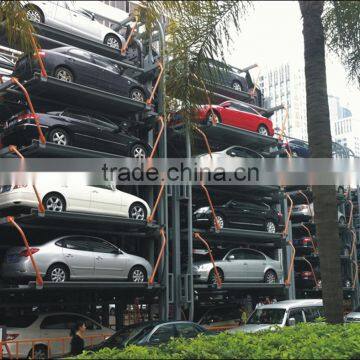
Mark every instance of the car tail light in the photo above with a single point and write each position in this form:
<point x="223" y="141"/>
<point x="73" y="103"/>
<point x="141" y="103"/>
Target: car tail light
<point x="10" y="337"/>
<point x="26" y="116"/>
<point x="19" y="186"/>
<point x="306" y="240"/>
<point x="26" y="253"/>
<point x="306" y="274"/>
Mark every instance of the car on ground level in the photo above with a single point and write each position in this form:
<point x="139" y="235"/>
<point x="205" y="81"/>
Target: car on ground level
<point x="235" y="114"/>
<point x="237" y="214"/>
<point x="240" y="264"/>
<point x="151" y="334"/>
<point x="70" y="17"/>
<point x="75" y="128"/>
<point x="46" y="326"/>
<point x="75" y="257"/>
<point x="100" y="199"/>
<point x="231" y="152"/>
<point x="281" y="314"/>
<point x="221" y="318"/>
<point x="306" y="211"/>
<point x="353" y="316"/>
<point x="71" y="64"/>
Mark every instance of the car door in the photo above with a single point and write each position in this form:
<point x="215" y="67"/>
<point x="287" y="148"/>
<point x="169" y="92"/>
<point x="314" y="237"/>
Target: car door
<point x="77" y="198"/>
<point x="109" y="76"/>
<point x="61" y="16"/>
<point x="162" y="334"/>
<point x="230" y="114"/>
<point x="104" y="200"/>
<point x="187" y="330"/>
<point x="57" y="326"/>
<point x="297" y="314"/>
<point x="82" y="22"/>
<point x="235" y="213"/>
<point x="109" y="138"/>
<point x="79" y="257"/>
<point x="246" y="118"/>
<point x="234" y="266"/>
<point x="110" y="262"/>
<point x="256" y="263"/>
<point x="82" y="64"/>
<point x="258" y="213"/>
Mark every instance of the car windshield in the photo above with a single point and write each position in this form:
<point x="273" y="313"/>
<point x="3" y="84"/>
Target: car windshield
<point x="267" y="316"/>
<point x="128" y="335"/>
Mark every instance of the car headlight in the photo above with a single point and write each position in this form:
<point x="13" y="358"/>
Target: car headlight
<point x="202" y="210"/>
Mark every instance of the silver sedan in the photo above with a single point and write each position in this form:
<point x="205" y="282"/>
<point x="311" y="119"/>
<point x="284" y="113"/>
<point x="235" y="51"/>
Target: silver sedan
<point x="241" y="264"/>
<point x="76" y="258"/>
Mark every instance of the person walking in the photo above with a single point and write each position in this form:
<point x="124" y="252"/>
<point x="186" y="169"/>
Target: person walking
<point x="77" y="338"/>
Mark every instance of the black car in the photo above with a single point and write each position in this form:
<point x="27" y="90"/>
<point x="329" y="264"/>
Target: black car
<point x="150" y="334"/>
<point x="75" y="65"/>
<point x="238" y="214"/>
<point x="75" y="128"/>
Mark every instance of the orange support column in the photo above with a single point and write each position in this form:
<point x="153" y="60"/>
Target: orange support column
<point x="216" y="222"/>
<point x="161" y="255"/>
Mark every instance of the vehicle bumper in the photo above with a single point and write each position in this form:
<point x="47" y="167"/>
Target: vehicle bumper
<point x="21" y="135"/>
<point x="18" y="198"/>
<point x="21" y="269"/>
<point x="200" y="275"/>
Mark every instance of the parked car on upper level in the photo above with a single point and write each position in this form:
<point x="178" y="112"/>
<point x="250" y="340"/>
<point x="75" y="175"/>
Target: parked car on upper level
<point x="281" y="314"/>
<point x="238" y="214"/>
<point x="71" y="64"/>
<point x="35" y="327"/>
<point x="232" y="151"/>
<point x="75" y="128"/>
<point x="240" y="265"/>
<point x="69" y="16"/>
<point x="305" y="211"/>
<point x="150" y="334"/>
<point x="76" y="257"/>
<point x="235" y="114"/>
<point x="101" y="199"/>
<point x="297" y="148"/>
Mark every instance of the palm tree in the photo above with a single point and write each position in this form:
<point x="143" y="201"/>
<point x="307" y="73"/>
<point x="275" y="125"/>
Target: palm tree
<point x="342" y="28"/>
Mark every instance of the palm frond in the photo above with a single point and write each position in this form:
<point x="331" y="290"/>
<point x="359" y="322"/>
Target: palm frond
<point x="342" y="31"/>
<point x="15" y="24"/>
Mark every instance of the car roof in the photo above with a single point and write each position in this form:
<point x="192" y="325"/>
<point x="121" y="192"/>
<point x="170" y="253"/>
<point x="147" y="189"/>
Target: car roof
<point x="289" y="304"/>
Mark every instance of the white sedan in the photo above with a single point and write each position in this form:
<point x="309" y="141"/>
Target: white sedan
<point x="67" y="16"/>
<point x="90" y="199"/>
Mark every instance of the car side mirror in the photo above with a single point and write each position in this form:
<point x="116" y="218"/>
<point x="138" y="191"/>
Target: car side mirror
<point x="92" y="17"/>
<point x="231" y="257"/>
<point x="292" y="322"/>
<point x="226" y="105"/>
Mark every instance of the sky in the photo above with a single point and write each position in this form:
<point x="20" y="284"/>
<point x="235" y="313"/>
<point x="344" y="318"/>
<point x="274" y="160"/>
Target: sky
<point x="272" y="35"/>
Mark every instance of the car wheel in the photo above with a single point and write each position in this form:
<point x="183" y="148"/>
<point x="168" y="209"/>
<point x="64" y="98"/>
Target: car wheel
<point x="137" y="274"/>
<point x="342" y="220"/>
<point x="236" y="85"/>
<point x="137" y="211"/>
<point x="213" y="117"/>
<point x="212" y="276"/>
<point x="221" y="221"/>
<point x="40" y="352"/>
<point x="57" y="273"/>
<point x="270" y="277"/>
<point x="34" y="14"/>
<point x="137" y="95"/>
<point x="59" y="136"/>
<point x="54" y="202"/>
<point x="270" y="227"/>
<point x="262" y="130"/>
<point x="64" y="74"/>
<point x="112" y="41"/>
<point x="138" y="151"/>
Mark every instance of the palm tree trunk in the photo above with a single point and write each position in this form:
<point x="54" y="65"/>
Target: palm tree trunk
<point x="318" y="122"/>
